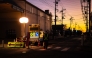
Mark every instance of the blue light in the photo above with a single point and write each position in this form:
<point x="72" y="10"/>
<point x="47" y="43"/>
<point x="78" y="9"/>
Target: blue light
<point x="36" y="34"/>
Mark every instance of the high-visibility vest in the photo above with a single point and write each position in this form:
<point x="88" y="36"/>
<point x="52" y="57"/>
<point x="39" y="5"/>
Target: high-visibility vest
<point x="46" y="37"/>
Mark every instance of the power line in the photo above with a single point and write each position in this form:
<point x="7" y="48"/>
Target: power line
<point x="65" y="8"/>
<point x="85" y="11"/>
<point x="47" y="4"/>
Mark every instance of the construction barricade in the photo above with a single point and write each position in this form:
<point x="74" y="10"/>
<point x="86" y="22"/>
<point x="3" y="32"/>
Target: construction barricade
<point x="16" y="44"/>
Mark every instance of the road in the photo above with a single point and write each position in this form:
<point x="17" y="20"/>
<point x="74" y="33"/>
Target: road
<point x="59" y="48"/>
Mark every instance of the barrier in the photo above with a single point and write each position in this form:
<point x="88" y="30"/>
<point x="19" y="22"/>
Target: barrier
<point x="16" y="44"/>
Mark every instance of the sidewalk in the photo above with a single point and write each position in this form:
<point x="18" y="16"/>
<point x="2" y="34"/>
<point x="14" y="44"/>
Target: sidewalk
<point x="87" y="46"/>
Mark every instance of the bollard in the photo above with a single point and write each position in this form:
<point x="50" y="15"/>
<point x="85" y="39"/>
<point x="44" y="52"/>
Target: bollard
<point x="3" y="43"/>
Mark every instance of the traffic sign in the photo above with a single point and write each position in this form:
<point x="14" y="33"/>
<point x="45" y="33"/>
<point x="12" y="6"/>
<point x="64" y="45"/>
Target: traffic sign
<point x="15" y="44"/>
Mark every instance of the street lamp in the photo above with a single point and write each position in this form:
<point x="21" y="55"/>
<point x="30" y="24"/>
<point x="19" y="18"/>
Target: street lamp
<point x="24" y="20"/>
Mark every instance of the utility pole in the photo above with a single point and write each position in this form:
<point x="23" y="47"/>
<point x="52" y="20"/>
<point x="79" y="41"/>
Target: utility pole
<point x="71" y="20"/>
<point x="55" y="16"/>
<point x="56" y="2"/>
<point x="62" y="17"/>
<point x="75" y="25"/>
<point x="89" y="2"/>
<point x="85" y="10"/>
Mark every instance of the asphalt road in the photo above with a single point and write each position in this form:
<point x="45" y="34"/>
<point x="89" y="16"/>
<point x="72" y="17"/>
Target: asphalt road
<point x="59" y="48"/>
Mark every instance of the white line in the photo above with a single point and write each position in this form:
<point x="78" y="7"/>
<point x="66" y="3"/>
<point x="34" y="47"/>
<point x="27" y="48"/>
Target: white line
<point x="49" y="47"/>
<point x="57" y="48"/>
<point x="65" y="49"/>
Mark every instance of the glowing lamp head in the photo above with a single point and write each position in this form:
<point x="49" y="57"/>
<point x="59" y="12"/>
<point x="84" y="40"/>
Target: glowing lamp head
<point x="23" y="20"/>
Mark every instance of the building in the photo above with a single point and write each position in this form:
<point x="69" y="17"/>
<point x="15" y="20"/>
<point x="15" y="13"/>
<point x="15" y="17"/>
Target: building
<point x="12" y="10"/>
<point x="91" y="23"/>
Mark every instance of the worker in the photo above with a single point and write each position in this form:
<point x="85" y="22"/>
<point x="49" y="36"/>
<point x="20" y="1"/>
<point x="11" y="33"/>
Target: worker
<point x="45" y="39"/>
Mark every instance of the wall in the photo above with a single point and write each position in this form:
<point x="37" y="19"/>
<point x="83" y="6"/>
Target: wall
<point x="10" y="20"/>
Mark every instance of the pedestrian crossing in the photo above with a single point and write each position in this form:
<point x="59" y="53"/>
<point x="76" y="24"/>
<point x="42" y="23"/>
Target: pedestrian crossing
<point x="65" y="49"/>
<point x="58" y="48"/>
<point x="67" y="45"/>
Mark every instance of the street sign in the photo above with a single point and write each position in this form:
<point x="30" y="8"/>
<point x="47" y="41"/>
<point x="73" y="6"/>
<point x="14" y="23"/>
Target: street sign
<point x="41" y="34"/>
<point x="15" y="44"/>
<point x="17" y="8"/>
<point x="34" y="34"/>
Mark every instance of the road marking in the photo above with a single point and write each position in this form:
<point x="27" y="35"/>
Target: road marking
<point x="49" y="47"/>
<point x="24" y="52"/>
<point x="42" y="49"/>
<point x="57" y="48"/>
<point x="65" y="49"/>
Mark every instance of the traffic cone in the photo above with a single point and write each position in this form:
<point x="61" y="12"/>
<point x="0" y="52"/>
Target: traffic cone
<point x="38" y="43"/>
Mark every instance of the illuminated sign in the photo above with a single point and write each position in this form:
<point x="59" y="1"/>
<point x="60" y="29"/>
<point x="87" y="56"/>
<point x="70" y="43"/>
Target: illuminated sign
<point x="15" y="44"/>
<point x="34" y="28"/>
<point x="34" y="34"/>
<point x="17" y="8"/>
<point x="41" y="34"/>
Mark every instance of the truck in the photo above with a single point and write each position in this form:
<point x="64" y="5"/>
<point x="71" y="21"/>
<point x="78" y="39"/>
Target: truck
<point x="35" y="35"/>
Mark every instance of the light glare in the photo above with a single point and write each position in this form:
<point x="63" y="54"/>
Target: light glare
<point x="23" y="20"/>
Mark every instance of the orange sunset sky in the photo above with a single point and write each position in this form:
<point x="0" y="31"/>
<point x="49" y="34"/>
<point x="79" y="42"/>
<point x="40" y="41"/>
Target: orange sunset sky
<point x="73" y="9"/>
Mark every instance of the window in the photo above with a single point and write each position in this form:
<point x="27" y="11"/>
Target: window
<point x="47" y="17"/>
<point x="41" y="14"/>
<point x="32" y="10"/>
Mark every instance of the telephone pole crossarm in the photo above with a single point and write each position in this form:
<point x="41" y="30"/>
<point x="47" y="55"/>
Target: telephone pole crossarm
<point x="62" y="17"/>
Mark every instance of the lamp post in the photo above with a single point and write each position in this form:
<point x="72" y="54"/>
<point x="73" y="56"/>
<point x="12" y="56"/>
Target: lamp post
<point x="24" y="20"/>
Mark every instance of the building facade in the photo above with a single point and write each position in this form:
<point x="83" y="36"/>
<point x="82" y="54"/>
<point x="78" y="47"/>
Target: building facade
<point x="91" y="23"/>
<point x="10" y="13"/>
